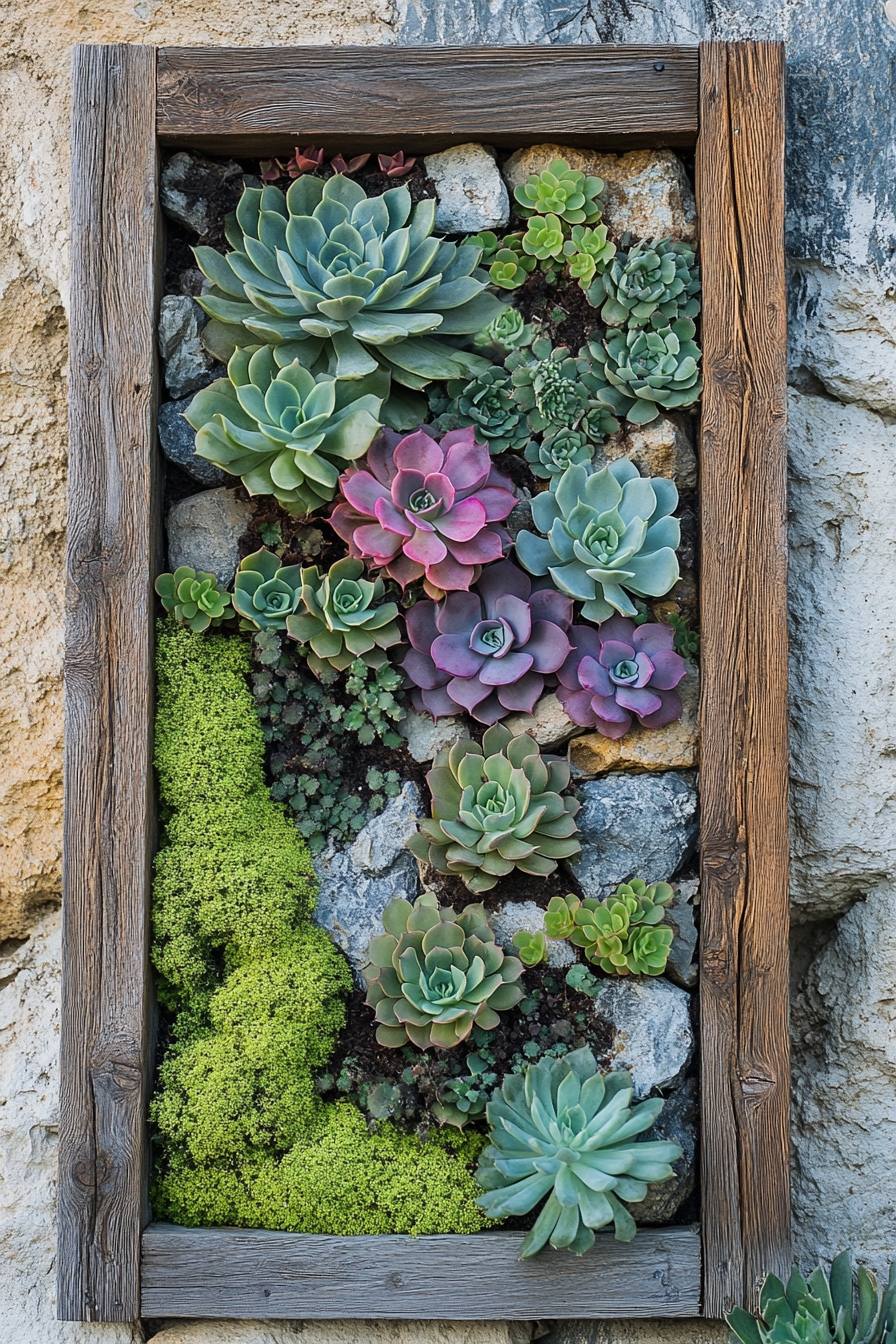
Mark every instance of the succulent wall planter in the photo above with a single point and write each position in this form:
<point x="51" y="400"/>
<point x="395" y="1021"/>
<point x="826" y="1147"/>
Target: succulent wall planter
<point x="602" y="543"/>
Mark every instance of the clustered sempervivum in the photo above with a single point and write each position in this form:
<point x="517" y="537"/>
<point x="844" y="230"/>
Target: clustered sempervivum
<point x="487" y="651"/>
<point x="620" y="670"/>
<point x="423" y="509"/>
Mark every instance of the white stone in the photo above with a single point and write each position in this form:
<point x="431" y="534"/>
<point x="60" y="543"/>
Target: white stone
<point x="425" y="736"/>
<point x="204" y="531"/>
<point x="548" y="723"/>
<point x="654" y="1038"/>
<point x="345" y="1332"/>
<point x="471" y="192"/>
<point x="843" y="332"/>
<point x="383" y="838"/>
<point x="527" y="917"/>
<point x="186" y="361"/>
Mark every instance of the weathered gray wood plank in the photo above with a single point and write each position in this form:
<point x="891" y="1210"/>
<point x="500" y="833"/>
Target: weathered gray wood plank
<point x="226" y="1272"/>
<point x="108" y="685"/>
<point x="241" y="101"/>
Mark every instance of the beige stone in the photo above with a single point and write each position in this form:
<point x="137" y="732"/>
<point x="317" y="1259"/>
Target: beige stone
<point x="663" y="448"/>
<point x="549" y="723"/>
<point x="642" y="749"/>
<point x="647" y="191"/>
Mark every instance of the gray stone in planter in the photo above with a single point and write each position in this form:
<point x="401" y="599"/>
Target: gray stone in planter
<point x="526" y="916"/>
<point x="358" y="882"/>
<point x="204" y="531"/>
<point x="471" y="191"/>
<point x="426" y="736"/>
<point x="682" y="964"/>
<point x="187" y="364"/>
<point x="189" y="188"/>
<point x="652" y="1033"/>
<point x="634" y="826"/>
<point x="677" y="1122"/>
<point x="178" y="440"/>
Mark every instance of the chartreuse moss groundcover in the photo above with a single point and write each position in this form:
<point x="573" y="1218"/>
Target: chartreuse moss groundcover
<point x="256" y="993"/>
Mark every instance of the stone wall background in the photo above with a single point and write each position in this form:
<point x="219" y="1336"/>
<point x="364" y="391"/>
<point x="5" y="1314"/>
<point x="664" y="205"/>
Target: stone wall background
<point x="842" y="244"/>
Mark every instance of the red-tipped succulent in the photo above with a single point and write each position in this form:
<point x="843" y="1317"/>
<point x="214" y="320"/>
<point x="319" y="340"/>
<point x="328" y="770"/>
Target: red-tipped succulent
<point x="348" y="167"/>
<point x="395" y="165"/>
<point x="618" y="670"/>
<point x="307" y="160"/>
<point x="488" y="651"/>
<point x="419" y="508"/>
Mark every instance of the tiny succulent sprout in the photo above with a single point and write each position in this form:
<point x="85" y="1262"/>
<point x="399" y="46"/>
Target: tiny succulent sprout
<point x="194" y="598"/>
<point x="620" y="670"/>
<point x="495" y="808"/>
<point x="559" y="918"/>
<point x="652" y="284"/>
<point x="504" y="333"/>
<point x="464" y="1098"/>
<point x="270" y="170"/>
<point x="607" y="534"/>
<point x="831" y="1307"/>
<point x="565" y="1133"/>
<point x="544" y="238"/>
<point x="638" y="373"/>
<point x="265" y="594"/>
<point x="562" y="191"/>
<point x="620" y="934"/>
<point x="588" y="252"/>
<point x="532" y="949"/>
<point x="342" y="617"/>
<point x="420" y="508"/>
<point x="395" y="165"/>
<point x="487" y="652"/>
<point x="307" y="160"/>
<point x="510" y="265"/>
<point x="434" y="975"/>
<point x="348" y="167"/>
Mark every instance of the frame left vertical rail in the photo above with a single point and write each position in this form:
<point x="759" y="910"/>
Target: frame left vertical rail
<point x="111" y="561"/>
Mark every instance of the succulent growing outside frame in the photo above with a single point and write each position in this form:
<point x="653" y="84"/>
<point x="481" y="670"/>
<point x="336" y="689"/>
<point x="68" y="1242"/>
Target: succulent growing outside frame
<point x="265" y="593"/>
<point x="619" y="670"/>
<point x="342" y="617"/>
<point x="607" y="534"/>
<point x="434" y="975"/>
<point x="565" y="1133"/>
<point x="286" y="433"/>
<point x="636" y="373"/>
<point x="193" y="597"/>
<point x="832" y="1307"/>
<point x="497" y="807"/>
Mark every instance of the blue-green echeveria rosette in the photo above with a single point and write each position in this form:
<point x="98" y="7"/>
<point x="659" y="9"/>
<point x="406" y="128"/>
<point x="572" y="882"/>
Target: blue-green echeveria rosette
<point x="652" y="283"/>
<point x="565" y="1133"/>
<point x="286" y="432"/>
<point x="638" y="373"/>
<point x="355" y="281"/>
<point x="342" y="617"/>
<point x="608" y="534"/>
<point x="265" y="594"/>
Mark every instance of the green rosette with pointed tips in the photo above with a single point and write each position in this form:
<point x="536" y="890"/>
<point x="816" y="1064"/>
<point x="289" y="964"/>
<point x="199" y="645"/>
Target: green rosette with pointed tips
<point x="342" y="617"/>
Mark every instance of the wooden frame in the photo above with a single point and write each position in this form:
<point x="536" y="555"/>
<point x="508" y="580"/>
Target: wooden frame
<point x="727" y="100"/>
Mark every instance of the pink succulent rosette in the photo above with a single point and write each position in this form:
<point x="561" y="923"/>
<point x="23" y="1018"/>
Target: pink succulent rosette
<point x="618" y="670"/>
<point x="487" y="651"/>
<point x="420" y="508"/>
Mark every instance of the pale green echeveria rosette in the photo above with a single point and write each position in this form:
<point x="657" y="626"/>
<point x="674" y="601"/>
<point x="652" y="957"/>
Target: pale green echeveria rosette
<point x="342" y="617"/>
<point x="652" y="283"/>
<point x="351" y="284"/>
<point x="194" y="598"/>
<point x="283" y="431"/>
<point x="565" y="1133"/>
<point x="608" y="534"/>
<point x="639" y="373"/>
<point x="265" y="594"/>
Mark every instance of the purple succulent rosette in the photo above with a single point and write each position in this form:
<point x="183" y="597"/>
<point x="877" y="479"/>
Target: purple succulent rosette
<point x="420" y="508"/>
<point x="618" y="670"/>
<point x="487" y="652"/>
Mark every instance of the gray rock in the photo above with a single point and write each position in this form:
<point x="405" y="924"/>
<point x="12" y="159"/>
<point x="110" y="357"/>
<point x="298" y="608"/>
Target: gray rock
<point x="426" y="736"/>
<point x="652" y="1033"/>
<point x="526" y="916"/>
<point x="191" y="190"/>
<point x="677" y="1121"/>
<point x="682" y="965"/>
<point x="204" y="531"/>
<point x="178" y="440"/>
<point x="634" y="826"/>
<point x="187" y="363"/>
<point x="471" y="191"/>
<point x="357" y="883"/>
<point x="519" y="519"/>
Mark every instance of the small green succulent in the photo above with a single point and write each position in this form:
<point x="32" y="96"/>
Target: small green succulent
<point x="488" y="405"/>
<point x="544" y="238"/>
<point x="511" y="264"/>
<point x="652" y="284"/>
<point x="557" y="451"/>
<point x="565" y="1133"/>
<point x="489" y="242"/>
<point x="433" y="975"/>
<point x="561" y="191"/>
<point x="464" y="1098"/>
<point x="620" y="935"/>
<point x="506" y="332"/>
<point x="589" y="253"/>
<point x="285" y="432"/>
<point x="639" y="373"/>
<point x="265" y="594"/>
<point x="342" y="617"/>
<point x="559" y="918"/>
<point x="497" y="807"/>
<point x="548" y="385"/>
<point x="531" y="947"/>
<point x="193" y="597"/>
<point x="831" y="1308"/>
<point x="606" y="534"/>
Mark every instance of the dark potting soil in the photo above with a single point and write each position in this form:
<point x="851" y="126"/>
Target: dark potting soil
<point x="560" y="308"/>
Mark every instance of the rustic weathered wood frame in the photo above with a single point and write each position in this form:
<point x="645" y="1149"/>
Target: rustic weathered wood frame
<point x="727" y="100"/>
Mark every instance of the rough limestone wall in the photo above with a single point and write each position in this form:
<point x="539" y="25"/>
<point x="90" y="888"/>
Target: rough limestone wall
<point x="842" y="241"/>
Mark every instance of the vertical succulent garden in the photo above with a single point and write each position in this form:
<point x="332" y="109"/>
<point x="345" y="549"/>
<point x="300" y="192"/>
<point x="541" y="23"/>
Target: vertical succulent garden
<point x="433" y="435"/>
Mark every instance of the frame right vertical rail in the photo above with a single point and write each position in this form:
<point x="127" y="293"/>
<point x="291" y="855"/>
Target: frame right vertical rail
<point x="744" y="864"/>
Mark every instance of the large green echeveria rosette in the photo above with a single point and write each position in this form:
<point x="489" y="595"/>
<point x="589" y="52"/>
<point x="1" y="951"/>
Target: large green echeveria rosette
<point x="265" y="593"/>
<point x="342" y="617"/>
<point x="638" y="373"/>
<point x="284" y="431"/>
<point x="607" y="534"/>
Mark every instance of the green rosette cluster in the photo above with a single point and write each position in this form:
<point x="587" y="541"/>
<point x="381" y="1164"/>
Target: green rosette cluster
<point x="652" y="284"/>
<point x="621" y="934"/>
<point x="558" y="391"/>
<point x="342" y="617"/>
<point x="434" y="974"/>
<point x="487" y="404"/>
<point x="193" y="598"/>
<point x="839" y="1306"/>
<point x="561" y="191"/>
<point x="284" y="431"/>
<point x="639" y="373"/>
<point x="495" y="808"/>
<point x="565" y="1133"/>
<point x="588" y="253"/>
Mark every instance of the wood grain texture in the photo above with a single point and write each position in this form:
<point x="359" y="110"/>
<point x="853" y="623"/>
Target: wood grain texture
<point x="105" y="1031"/>
<point x="239" y="101"/>
<point x="744" y="900"/>
<point x="225" y="1272"/>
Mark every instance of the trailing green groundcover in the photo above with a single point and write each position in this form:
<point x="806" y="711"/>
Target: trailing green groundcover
<point x="257" y="995"/>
